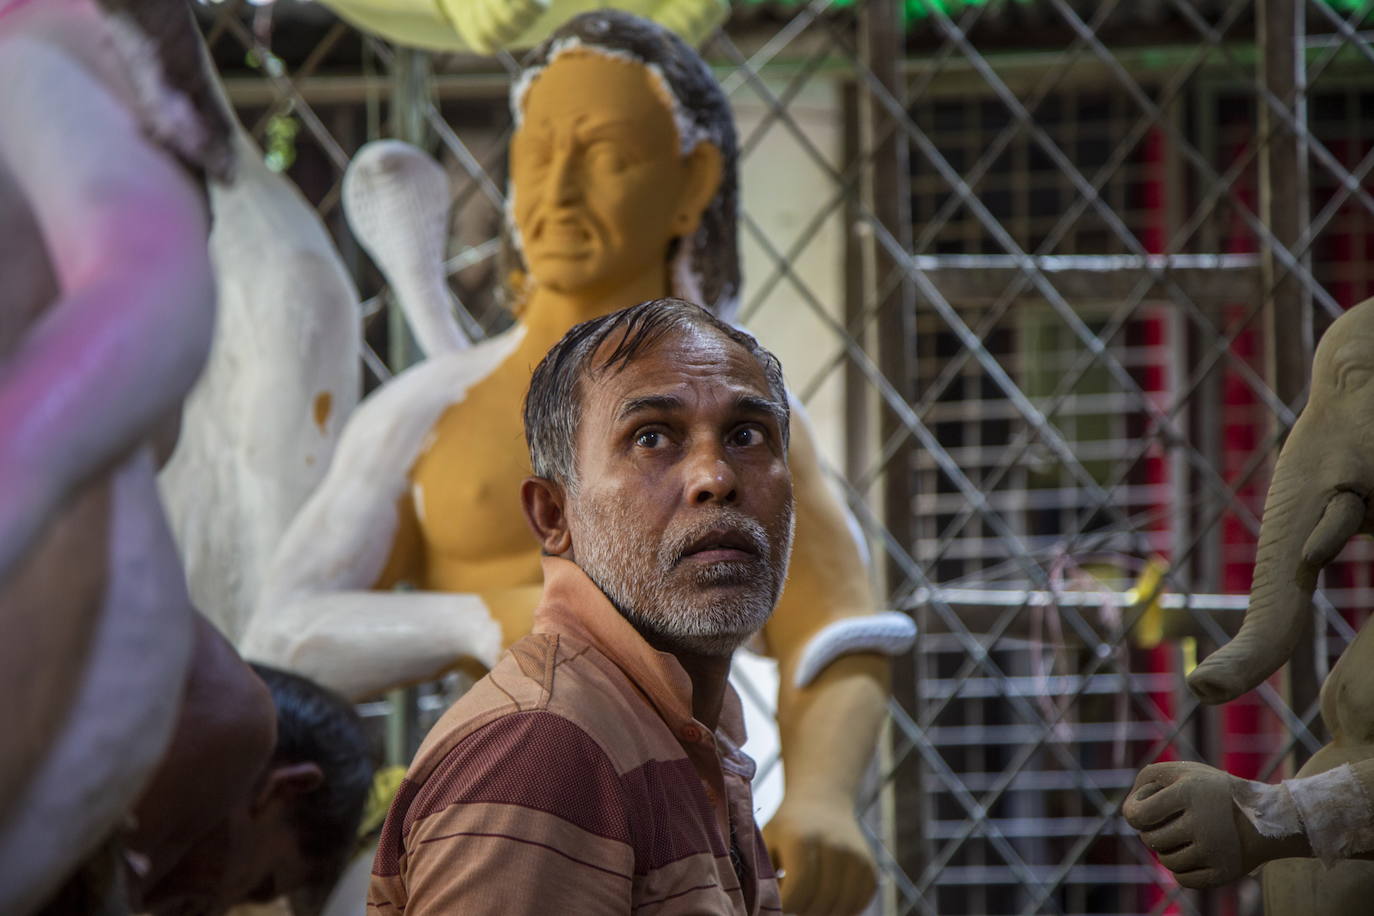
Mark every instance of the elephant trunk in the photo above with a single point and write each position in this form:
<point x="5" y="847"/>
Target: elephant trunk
<point x="1306" y="523"/>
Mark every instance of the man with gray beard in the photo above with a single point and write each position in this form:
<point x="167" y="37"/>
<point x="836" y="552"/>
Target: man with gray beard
<point x="597" y="768"/>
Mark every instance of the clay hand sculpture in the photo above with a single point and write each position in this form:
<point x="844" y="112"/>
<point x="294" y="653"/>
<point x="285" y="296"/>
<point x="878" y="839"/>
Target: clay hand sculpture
<point x="623" y="189"/>
<point x="105" y="319"/>
<point x="1319" y="497"/>
<point x="1210" y="827"/>
<point x="488" y="26"/>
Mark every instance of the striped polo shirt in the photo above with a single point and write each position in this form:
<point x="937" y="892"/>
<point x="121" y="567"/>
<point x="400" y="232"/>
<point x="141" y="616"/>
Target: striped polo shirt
<point x="574" y="779"/>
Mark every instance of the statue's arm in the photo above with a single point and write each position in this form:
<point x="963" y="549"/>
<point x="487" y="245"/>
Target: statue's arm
<point x="833" y="650"/>
<point x="125" y="230"/>
<point x="1209" y="827"/>
<point x="319" y="612"/>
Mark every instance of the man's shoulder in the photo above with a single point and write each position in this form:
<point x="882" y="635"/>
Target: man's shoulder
<point x="530" y="763"/>
<point x="558" y="694"/>
<point x="529" y="776"/>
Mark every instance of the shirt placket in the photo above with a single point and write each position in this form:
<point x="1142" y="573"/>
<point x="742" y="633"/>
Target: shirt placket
<point x="738" y="773"/>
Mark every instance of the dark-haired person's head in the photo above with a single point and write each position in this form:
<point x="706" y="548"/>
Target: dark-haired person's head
<point x="294" y="831"/>
<point x="556" y="401"/>
<point x="318" y="732"/>
<point x="658" y="438"/>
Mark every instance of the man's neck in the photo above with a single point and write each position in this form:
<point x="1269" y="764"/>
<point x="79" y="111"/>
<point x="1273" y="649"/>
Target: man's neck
<point x="709" y="675"/>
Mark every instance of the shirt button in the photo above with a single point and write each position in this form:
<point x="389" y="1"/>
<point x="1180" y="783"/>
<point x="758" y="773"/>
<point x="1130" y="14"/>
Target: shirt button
<point x="690" y="733"/>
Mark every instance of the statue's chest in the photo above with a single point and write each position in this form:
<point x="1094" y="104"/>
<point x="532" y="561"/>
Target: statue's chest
<point x="466" y="484"/>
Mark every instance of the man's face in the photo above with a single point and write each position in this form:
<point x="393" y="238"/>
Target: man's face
<point x="682" y="513"/>
<point x="597" y="174"/>
<point x="252" y="856"/>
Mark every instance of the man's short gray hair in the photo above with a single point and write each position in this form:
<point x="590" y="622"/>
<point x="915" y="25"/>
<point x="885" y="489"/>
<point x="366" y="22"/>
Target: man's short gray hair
<point x="553" y="405"/>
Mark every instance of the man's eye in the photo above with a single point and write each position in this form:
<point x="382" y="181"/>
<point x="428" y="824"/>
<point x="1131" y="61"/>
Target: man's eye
<point x="649" y="439"/>
<point x="747" y="435"/>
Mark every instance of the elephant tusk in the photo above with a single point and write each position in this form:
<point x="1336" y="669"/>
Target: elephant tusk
<point x="1341" y="518"/>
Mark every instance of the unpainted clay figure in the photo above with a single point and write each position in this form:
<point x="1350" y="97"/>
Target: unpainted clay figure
<point x="487" y="26"/>
<point x="623" y="189"/>
<point x="106" y="312"/>
<point x="260" y="427"/>
<point x="1210" y="827"/>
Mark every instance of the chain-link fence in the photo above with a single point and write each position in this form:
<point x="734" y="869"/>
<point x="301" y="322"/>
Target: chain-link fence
<point x="1047" y="274"/>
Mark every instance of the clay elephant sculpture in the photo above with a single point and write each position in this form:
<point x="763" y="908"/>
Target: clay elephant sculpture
<point x="1319" y="497"/>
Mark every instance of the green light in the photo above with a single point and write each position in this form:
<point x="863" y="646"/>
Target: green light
<point x="924" y="9"/>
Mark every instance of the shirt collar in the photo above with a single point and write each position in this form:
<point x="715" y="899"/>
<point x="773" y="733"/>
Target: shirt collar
<point x="573" y="604"/>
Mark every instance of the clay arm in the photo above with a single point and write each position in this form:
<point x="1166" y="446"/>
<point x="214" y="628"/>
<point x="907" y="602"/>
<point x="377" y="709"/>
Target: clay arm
<point x="361" y="644"/>
<point x="125" y="228"/>
<point x="828" y="733"/>
<point x="1210" y="827"/>
<point x="316" y="614"/>
<point x="833" y="652"/>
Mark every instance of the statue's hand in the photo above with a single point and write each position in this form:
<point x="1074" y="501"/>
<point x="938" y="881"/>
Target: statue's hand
<point x="1185" y="813"/>
<point x="821" y="853"/>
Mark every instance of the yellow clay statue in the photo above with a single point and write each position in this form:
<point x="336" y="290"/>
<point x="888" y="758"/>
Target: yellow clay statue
<point x="1211" y="827"/>
<point x="623" y="189"/>
<point x="487" y="26"/>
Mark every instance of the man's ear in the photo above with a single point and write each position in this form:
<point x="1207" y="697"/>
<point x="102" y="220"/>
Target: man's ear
<point x="544" y="504"/>
<point x="705" y="167"/>
<point x="287" y="781"/>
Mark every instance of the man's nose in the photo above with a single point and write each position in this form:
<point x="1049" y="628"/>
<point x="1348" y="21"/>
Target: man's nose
<point x="711" y="478"/>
